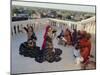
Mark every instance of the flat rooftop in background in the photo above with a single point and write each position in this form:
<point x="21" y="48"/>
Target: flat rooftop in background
<point x="71" y="7"/>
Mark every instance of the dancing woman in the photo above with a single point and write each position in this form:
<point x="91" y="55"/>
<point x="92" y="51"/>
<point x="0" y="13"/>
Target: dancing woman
<point x="29" y="48"/>
<point x="67" y="37"/>
<point x="85" y="44"/>
<point x="47" y="36"/>
<point x="30" y="33"/>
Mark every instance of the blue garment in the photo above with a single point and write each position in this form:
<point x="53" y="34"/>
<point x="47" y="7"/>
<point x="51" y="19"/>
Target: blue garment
<point x="62" y="33"/>
<point x="74" y="37"/>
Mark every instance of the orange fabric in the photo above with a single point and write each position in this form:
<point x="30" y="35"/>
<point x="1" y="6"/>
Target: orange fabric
<point x="86" y="48"/>
<point x="85" y="53"/>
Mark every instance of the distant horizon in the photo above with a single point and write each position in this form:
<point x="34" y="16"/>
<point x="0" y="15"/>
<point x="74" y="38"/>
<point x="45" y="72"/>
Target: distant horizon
<point x="70" y="7"/>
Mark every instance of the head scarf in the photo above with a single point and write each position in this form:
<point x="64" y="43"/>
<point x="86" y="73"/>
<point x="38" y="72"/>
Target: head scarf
<point x="45" y="34"/>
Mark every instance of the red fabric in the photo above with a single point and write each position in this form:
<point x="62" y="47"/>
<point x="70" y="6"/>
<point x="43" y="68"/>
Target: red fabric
<point x="85" y="54"/>
<point x="85" y="50"/>
<point x="44" y="42"/>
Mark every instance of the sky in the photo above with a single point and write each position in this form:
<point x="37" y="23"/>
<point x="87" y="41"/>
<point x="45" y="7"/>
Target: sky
<point x="82" y="8"/>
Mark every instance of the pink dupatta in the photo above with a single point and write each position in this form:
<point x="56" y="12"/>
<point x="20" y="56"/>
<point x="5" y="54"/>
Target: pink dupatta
<point x="45" y="34"/>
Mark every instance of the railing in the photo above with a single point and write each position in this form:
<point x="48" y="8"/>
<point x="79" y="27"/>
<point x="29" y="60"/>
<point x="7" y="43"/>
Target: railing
<point x="39" y="24"/>
<point x="89" y="25"/>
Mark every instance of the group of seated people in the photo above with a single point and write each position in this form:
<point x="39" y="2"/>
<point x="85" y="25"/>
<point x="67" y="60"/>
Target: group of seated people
<point x="46" y="53"/>
<point x="81" y="42"/>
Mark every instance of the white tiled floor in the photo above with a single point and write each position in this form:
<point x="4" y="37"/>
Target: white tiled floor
<point x="21" y="64"/>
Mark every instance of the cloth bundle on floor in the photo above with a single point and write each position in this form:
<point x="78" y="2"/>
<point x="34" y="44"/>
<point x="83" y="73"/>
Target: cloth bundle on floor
<point x="27" y="51"/>
<point x="52" y="55"/>
<point x="48" y="55"/>
<point x="40" y="55"/>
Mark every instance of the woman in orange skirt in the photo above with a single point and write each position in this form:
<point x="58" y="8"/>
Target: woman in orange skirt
<point x="85" y="45"/>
